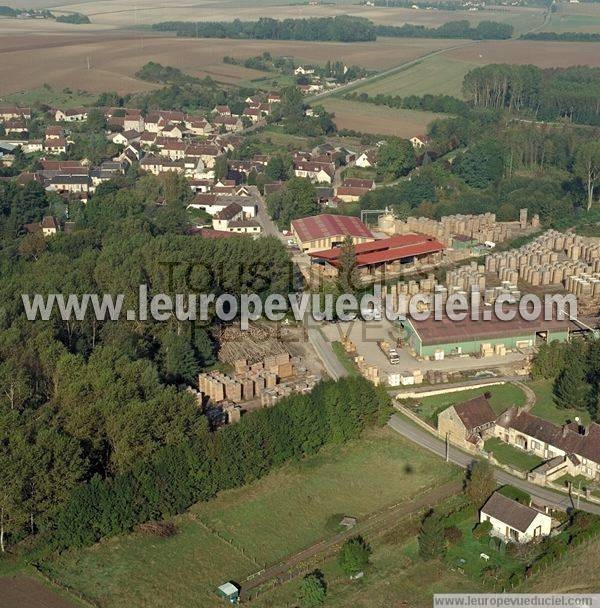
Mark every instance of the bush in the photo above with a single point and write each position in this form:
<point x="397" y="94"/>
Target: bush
<point x="482" y="530"/>
<point x="354" y="555"/>
<point x="453" y="535"/>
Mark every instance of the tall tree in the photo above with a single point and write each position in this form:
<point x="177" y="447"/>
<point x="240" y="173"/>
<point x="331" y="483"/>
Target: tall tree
<point x="354" y="555"/>
<point x="431" y="537"/>
<point x="313" y="590"/>
<point x="480" y="482"/>
<point x="587" y="168"/>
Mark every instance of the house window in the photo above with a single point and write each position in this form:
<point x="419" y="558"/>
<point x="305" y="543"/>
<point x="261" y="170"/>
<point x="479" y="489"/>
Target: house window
<point x="512" y="534"/>
<point x="537" y="532"/>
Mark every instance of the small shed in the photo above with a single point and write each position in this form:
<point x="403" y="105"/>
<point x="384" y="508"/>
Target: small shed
<point x="230" y="592"/>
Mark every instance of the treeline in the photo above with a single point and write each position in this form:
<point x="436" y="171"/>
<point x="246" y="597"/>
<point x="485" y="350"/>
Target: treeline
<point x="431" y="103"/>
<point x="174" y="479"/>
<point x="563" y="36"/>
<point x="75" y="18"/>
<point x="9" y="11"/>
<point x="156" y="72"/>
<point x="342" y="28"/>
<point x="484" y="30"/>
<point x="548" y="94"/>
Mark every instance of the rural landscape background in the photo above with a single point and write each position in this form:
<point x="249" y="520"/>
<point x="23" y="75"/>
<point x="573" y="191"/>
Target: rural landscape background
<point x="268" y="518"/>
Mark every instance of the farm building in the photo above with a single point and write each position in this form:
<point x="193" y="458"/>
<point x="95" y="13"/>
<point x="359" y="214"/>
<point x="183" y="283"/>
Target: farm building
<point x="431" y="336"/>
<point x="326" y="231"/>
<point x="388" y="253"/>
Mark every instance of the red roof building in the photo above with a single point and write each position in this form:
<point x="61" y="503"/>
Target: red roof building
<point x="326" y="231"/>
<point x="400" y="248"/>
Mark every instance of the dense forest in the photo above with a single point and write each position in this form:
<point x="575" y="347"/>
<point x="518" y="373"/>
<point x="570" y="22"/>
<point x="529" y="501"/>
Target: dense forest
<point x="342" y="28"/>
<point x="83" y="398"/>
<point x="548" y="94"/>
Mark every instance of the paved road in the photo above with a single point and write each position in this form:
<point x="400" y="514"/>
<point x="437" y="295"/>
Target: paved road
<point x="437" y="446"/>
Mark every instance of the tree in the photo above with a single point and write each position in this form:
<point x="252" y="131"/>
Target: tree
<point x="570" y="388"/>
<point x="354" y="555"/>
<point x="178" y="359"/>
<point x="480" y="482"/>
<point x="432" y="544"/>
<point x="221" y="167"/>
<point x="313" y="590"/>
<point x="396" y="158"/>
<point x="587" y="168"/>
<point x="278" y="168"/>
<point x="348" y="275"/>
<point x="297" y="198"/>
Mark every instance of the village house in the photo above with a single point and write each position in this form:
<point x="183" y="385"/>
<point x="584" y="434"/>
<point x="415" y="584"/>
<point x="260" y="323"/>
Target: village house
<point x="16" y="126"/>
<point x="465" y="422"/>
<point x="514" y="522"/>
<point x="273" y="97"/>
<point x="315" y="171"/>
<point x="419" y="141"/>
<point x="302" y="71"/>
<point x="55" y="145"/>
<point x="198" y="126"/>
<point x="572" y="447"/>
<point x="69" y="183"/>
<point x="172" y="131"/>
<point x="125" y="138"/>
<point x="253" y="114"/>
<point x="175" y="150"/>
<point x="49" y="226"/>
<point x="71" y="115"/>
<point x="54" y="132"/>
<point x="367" y="159"/>
<point x="229" y="123"/>
<point x="6" y="113"/>
<point x="213" y="204"/>
<point x="232" y="219"/>
<point x="33" y="145"/>
<point x="222" y="110"/>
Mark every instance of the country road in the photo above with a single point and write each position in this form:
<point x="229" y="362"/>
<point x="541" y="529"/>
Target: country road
<point x="437" y="446"/>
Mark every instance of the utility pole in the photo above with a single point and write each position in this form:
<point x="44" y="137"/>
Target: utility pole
<point x="447" y="448"/>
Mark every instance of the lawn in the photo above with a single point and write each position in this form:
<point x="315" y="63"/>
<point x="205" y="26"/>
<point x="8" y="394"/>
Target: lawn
<point x="436" y="75"/>
<point x="263" y="523"/>
<point x="344" y="358"/>
<point x="546" y="408"/>
<point x="503" y="396"/>
<point x="507" y="454"/>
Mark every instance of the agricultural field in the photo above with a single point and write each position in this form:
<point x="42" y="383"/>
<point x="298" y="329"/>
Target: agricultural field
<point x="111" y="13"/>
<point x="574" y="18"/>
<point x="444" y="73"/>
<point x="21" y="591"/>
<point x="242" y="530"/>
<point x="36" y="54"/>
<point x="366" y="118"/>
<point x="437" y="74"/>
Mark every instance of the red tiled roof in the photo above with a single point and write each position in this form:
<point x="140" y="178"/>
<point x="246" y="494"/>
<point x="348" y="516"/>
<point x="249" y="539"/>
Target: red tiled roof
<point x="327" y="225"/>
<point x="385" y="250"/>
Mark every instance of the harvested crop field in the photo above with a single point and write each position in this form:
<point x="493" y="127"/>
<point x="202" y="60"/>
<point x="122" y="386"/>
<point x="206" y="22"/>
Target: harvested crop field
<point x="24" y="592"/>
<point x="117" y="14"/>
<point x="444" y="73"/>
<point x="31" y="56"/>
<point x="540" y="53"/>
<point x="368" y="118"/>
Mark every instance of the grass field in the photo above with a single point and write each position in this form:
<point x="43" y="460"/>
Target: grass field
<point x="507" y="454"/>
<point x="366" y="118"/>
<point x="574" y="18"/>
<point x="437" y="75"/>
<point x="344" y="358"/>
<point x="266" y="521"/>
<point x="503" y="396"/>
<point x="546" y="408"/>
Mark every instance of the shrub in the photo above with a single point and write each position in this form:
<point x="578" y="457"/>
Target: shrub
<point x="482" y="530"/>
<point x="453" y="535"/>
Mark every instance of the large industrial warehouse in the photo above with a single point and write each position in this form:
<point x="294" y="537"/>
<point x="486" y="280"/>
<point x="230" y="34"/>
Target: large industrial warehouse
<point x="431" y="337"/>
